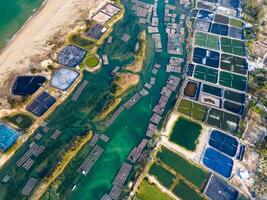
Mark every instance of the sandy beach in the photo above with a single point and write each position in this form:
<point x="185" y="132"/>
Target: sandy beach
<point x="40" y="37"/>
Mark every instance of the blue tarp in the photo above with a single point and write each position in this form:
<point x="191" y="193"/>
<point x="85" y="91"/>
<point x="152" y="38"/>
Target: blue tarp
<point x="218" y="162"/>
<point x="8" y="137"/>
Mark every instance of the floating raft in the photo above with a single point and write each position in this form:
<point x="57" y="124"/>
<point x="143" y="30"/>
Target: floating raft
<point x="28" y="164"/>
<point x="90" y="160"/>
<point x="94" y="140"/>
<point x="56" y="134"/>
<point x="134" y="155"/>
<point x="154" y="71"/>
<point x="144" y="92"/>
<point x="115" y="116"/>
<point x="34" y="149"/>
<point x="151" y="129"/>
<point x="157" y="40"/>
<point x="174" y="69"/>
<point x="173" y="80"/>
<point x="115" y="71"/>
<point x="157" y="66"/>
<point x="45" y="129"/>
<point x="104" y="137"/>
<point x="148" y="85"/>
<point x="110" y="38"/>
<point x="126" y="37"/>
<point x="38" y="136"/>
<point x="79" y="91"/>
<point x="155" y="118"/>
<point x="115" y="192"/>
<point x="152" y="80"/>
<point x="136" y="152"/>
<point x="31" y="183"/>
<point x="122" y="175"/>
<point x="158" y="109"/>
<point x="106" y="197"/>
<point x="163" y="101"/>
<point x="105" y="59"/>
<point x="131" y="102"/>
<point x="166" y="92"/>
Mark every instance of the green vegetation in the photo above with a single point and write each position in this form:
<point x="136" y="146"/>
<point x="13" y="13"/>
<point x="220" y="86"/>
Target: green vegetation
<point x="185" y="133"/>
<point x="183" y="191"/>
<point x="233" y="81"/>
<point x="81" y="41"/>
<point x="258" y="85"/>
<point x="206" y="73"/>
<point x="162" y="175"/>
<point x="207" y="40"/>
<point x="188" y="170"/>
<point x="21" y="120"/>
<point x="253" y="9"/>
<point x="233" y="46"/>
<point x="147" y="191"/>
<point x="236" y="22"/>
<point x="110" y="105"/>
<point x="191" y="109"/>
<point x="68" y="155"/>
<point x="91" y="61"/>
<point x="17" y="102"/>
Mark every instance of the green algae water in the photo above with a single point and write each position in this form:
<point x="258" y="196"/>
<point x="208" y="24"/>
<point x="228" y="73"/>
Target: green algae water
<point x="185" y="133"/>
<point x="76" y="118"/>
<point x="13" y="14"/>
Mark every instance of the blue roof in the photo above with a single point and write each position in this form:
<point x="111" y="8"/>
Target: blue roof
<point x="8" y="137"/>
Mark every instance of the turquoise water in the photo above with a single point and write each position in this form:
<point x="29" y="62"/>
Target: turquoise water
<point x="13" y="14"/>
<point x="74" y="119"/>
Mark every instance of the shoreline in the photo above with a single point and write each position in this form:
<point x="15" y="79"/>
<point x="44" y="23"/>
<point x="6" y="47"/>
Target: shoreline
<point x="13" y="38"/>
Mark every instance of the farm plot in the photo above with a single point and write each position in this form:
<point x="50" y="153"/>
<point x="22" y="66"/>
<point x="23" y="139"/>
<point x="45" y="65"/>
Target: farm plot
<point x="212" y="90"/>
<point x="236" y="33"/>
<point x="207" y="41"/>
<point x="162" y="175"/>
<point x="191" y="172"/>
<point x="221" y="19"/>
<point x="192" y="109"/>
<point x="147" y="191"/>
<point x="223" y="120"/>
<point x="202" y="25"/>
<point x="233" y="107"/>
<point x="233" y="46"/>
<point x="185" y="192"/>
<point x="234" y="64"/>
<point x="206" y="74"/>
<point x="185" y="133"/>
<point x="234" y="96"/>
<point x="236" y="23"/>
<point x="219" y="29"/>
<point x="205" y="15"/>
<point x="206" y="57"/>
<point x="233" y="81"/>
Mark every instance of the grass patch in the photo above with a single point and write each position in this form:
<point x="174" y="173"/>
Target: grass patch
<point x="91" y="61"/>
<point x="147" y="191"/>
<point x="185" y="168"/>
<point x="20" y="120"/>
<point x="185" y="133"/>
<point x="236" y="22"/>
<point x="162" y="175"/>
<point x="183" y="191"/>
